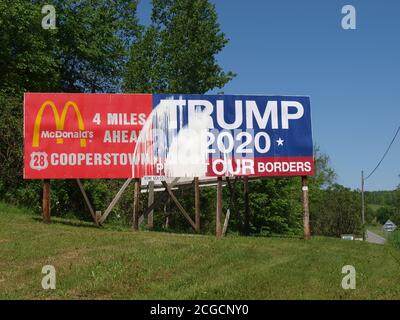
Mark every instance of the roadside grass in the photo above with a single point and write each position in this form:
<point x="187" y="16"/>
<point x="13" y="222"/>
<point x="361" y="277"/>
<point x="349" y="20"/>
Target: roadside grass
<point x="394" y="239"/>
<point x="93" y="263"/>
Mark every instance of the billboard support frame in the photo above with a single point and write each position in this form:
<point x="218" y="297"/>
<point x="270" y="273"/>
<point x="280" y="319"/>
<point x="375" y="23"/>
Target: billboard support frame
<point x="150" y="200"/>
<point x="232" y="207"/>
<point x="46" y="214"/>
<point x="197" y="203"/>
<point x="178" y="204"/>
<point x="115" y="200"/>
<point x="87" y="201"/>
<point x="218" y="218"/>
<point x="168" y="193"/>
<point x="136" y="204"/>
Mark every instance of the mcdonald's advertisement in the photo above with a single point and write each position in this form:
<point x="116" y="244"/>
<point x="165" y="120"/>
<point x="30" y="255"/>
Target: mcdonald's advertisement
<point x="155" y="136"/>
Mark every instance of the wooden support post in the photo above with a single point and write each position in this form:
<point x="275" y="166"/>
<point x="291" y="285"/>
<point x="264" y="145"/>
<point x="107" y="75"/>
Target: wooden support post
<point x="167" y="222"/>
<point x="218" y="227"/>
<point x="177" y="203"/>
<point x="197" y="203"/>
<point x="150" y="219"/>
<point x="98" y="218"/>
<point x="306" y="211"/>
<point x="162" y="198"/>
<point x="246" y="205"/>
<point x="85" y="197"/>
<point x="232" y="202"/>
<point x="136" y="205"/>
<point x="166" y="215"/>
<point x="115" y="200"/>
<point x="46" y="201"/>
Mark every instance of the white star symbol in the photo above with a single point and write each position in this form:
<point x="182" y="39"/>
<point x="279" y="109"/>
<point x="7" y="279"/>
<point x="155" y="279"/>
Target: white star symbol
<point x="280" y="142"/>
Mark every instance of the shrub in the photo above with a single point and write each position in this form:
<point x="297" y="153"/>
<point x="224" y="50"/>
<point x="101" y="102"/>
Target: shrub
<point x="337" y="212"/>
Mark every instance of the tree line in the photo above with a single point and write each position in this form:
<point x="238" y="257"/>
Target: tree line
<point x="383" y="206"/>
<point x="100" y="46"/>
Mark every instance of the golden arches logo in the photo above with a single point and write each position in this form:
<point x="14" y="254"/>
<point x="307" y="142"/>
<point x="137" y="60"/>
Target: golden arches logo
<point x="60" y="121"/>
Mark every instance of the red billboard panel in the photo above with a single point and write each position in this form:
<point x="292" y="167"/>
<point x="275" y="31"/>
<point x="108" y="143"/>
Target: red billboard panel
<point x="82" y="135"/>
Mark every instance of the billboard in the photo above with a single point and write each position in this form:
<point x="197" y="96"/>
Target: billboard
<point x="69" y="135"/>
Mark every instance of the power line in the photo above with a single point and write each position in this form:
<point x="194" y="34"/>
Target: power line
<point x="384" y="155"/>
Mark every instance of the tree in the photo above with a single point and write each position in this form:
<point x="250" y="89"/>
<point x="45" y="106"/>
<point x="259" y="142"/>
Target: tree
<point x="27" y="60"/>
<point x="275" y="206"/>
<point x="94" y="39"/>
<point x="338" y="212"/>
<point x="11" y="139"/>
<point x="386" y="213"/>
<point x="143" y="74"/>
<point x="397" y="198"/>
<point x="87" y="52"/>
<point x="324" y="178"/>
<point x="27" y="63"/>
<point x="177" y="52"/>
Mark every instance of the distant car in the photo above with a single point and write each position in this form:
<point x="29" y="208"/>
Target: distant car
<point x="347" y="236"/>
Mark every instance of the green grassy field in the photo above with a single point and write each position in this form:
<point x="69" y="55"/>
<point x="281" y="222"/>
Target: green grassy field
<point x="106" y="263"/>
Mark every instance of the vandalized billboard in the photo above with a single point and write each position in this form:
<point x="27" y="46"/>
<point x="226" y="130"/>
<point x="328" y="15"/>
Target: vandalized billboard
<point x="68" y="135"/>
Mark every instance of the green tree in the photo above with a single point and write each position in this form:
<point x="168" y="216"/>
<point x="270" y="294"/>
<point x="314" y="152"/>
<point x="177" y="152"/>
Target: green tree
<point x="94" y="38"/>
<point x="27" y="63"/>
<point x="27" y="60"/>
<point x="338" y="212"/>
<point x="177" y="52"/>
<point x="275" y="206"/>
<point x="386" y="213"/>
<point x="143" y="74"/>
<point x="11" y="140"/>
<point x="324" y="177"/>
<point x="87" y="52"/>
<point x="397" y="198"/>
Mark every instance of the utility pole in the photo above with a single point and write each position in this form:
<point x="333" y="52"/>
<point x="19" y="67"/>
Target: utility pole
<point x="362" y="204"/>
<point x="362" y="198"/>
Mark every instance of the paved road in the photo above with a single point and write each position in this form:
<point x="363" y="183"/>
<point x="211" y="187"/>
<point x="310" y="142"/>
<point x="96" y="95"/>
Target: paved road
<point x="374" y="238"/>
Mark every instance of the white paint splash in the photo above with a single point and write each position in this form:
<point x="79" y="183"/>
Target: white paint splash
<point x="163" y="142"/>
<point x="188" y="156"/>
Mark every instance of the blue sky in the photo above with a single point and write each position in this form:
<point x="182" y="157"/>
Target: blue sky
<point x="294" y="47"/>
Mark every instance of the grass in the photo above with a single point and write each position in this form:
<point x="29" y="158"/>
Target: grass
<point x="394" y="239"/>
<point x="94" y="263"/>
